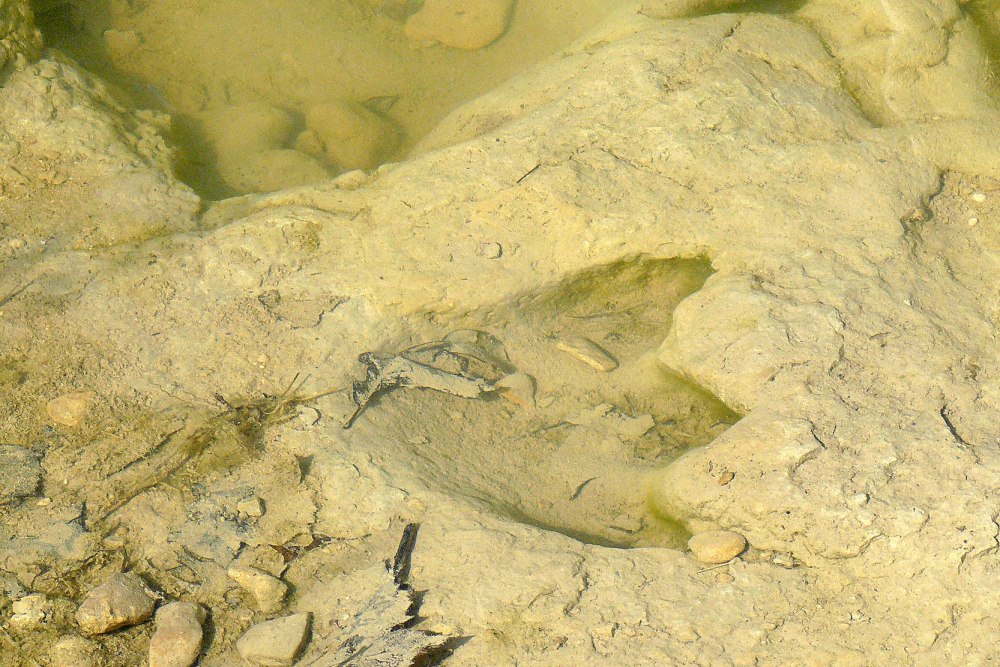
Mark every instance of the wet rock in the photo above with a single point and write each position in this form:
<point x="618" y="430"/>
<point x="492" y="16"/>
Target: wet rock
<point x="518" y="388"/>
<point x="20" y="473"/>
<point x="176" y="642"/>
<point x="75" y="651"/>
<point x="461" y="24"/>
<point x="348" y="135"/>
<point x="270" y="170"/>
<point x="120" y="602"/>
<point x="70" y="409"/>
<point x="247" y="129"/>
<point x="717" y="546"/>
<point x="252" y="506"/>
<point x="275" y="643"/>
<point x="268" y="591"/>
<point x="29" y="612"/>
<point x="589" y="352"/>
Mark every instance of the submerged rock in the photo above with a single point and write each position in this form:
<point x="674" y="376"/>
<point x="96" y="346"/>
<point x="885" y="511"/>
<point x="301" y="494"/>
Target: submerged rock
<point x="120" y="602"/>
<point x="462" y="24"/>
<point x="717" y="546"/>
<point x="178" y="636"/>
<point x="275" y="643"/>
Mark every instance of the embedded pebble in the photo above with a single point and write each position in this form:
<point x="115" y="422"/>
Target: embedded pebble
<point x="717" y="546"/>
<point x="460" y="24"/>
<point x="275" y="643"/>
<point x="518" y="388"/>
<point x="20" y="472"/>
<point x="973" y="222"/>
<point x="978" y="197"/>
<point x="70" y="409"/>
<point x="589" y="352"/>
<point x="267" y="590"/>
<point x="120" y="602"/>
<point x="75" y="651"/>
<point x="176" y="642"/>
<point x="726" y="477"/>
<point x="252" y="506"/>
<point x="348" y="135"/>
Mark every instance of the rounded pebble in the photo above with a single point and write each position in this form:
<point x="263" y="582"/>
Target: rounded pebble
<point x="176" y="642"/>
<point x="460" y="24"/>
<point x="70" y="409"/>
<point x="267" y="590"/>
<point x="275" y="643"/>
<point x="978" y="197"/>
<point x="717" y="546"/>
<point x="120" y="602"/>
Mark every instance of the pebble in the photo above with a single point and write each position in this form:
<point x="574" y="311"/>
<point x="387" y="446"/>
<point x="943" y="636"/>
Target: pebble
<point x="252" y="506"/>
<point x="120" y="602"/>
<point x="16" y="244"/>
<point x="973" y="222"/>
<point x="460" y="24"/>
<point x="726" y="477"/>
<point x="267" y="590"/>
<point x="717" y="546"/>
<point x="348" y="135"/>
<point x="275" y="643"/>
<point x="588" y="352"/>
<point x="75" y="651"/>
<point x="70" y="409"/>
<point x="518" y="388"/>
<point x="20" y="473"/>
<point x="726" y="578"/>
<point x="176" y="642"/>
<point x="978" y="197"/>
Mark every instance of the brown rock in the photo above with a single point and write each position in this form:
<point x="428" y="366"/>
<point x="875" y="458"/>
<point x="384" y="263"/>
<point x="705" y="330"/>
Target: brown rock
<point x="178" y="636"/>
<point x="461" y="24"/>
<point x="120" y="602"/>
<point x="70" y="409"/>
<point x="275" y="643"/>
<point x="717" y="546"/>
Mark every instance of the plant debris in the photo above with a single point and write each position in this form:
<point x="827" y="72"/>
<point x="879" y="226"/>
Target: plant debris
<point x="466" y="363"/>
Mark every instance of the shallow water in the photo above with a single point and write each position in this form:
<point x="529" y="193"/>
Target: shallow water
<point x="194" y="58"/>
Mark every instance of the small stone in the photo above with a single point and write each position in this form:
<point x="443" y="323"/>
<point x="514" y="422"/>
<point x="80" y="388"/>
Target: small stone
<point x="176" y="642"/>
<point x="726" y="477"/>
<point x="20" y="473"/>
<point x="588" y="352"/>
<point x="490" y="250"/>
<point x="978" y="197"/>
<point x="275" y="643"/>
<point x="518" y="388"/>
<point x="725" y="578"/>
<point x="29" y="612"/>
<point x="252" y="506"/>
<point x="717" y="546"/>
<point x="973" y="222"/>
<point x="120" y="602"/>
<point x="267" y="590"/>
<point x="460" y="24"/>
<point x="16" y="244"/>
<point x="75" y="651"/>
<point x="70" y="409"/>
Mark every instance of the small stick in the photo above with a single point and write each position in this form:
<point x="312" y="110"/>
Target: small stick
<point x="716" y="567"/>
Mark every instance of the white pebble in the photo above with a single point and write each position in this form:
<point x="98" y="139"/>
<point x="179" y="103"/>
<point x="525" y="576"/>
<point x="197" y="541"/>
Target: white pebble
<point x="252" y="506"/>
<point x="589" y="352"/>
<point x="267" y="590"/>
<point x="29" y="612"/>
<point x="70" y="409"/>
<point x="973" y="222"/>
<point x="717" y="546"/>
<point x="76" y="652"/>
<point x="178" y="636"/>
<point x="120" y="602"/>
<point x="978" y="197"/>
<point x="275" y="643"/>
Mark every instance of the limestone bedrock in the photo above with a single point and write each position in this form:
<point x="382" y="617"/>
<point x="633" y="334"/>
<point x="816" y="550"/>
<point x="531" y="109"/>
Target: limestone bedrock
<point x="855" y="332"/>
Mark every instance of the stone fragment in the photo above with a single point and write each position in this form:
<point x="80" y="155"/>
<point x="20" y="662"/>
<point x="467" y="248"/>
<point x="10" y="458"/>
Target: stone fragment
<point x="267" y="590"/>
<point x="120" y="602"/>
<point x="726" y="477"/>
<point x="176" y="642"/>
<point x="73" y="651"/>
<point x="70" y="409"/>
<point x="717" y="546"/>
<point x="252" y="506"/>
<point x="978" y="197"/>
<point x="29" y="612"/>
<point x="588" y="352"/>
<point x="460" y="24"/>
<point x="518" y="388"/>
<point x="348" y="135"/>
<point x="275" y="643"/>
<point x="20" y="473"/>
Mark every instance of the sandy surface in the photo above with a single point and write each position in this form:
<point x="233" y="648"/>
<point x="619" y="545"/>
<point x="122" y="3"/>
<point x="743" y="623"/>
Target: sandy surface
<point x="782" y="227"/>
